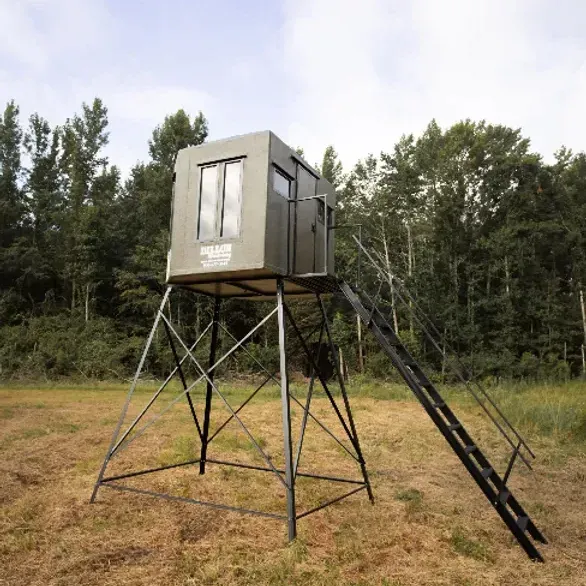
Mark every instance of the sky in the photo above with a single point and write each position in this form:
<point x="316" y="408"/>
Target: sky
<point x="356" y="74"/>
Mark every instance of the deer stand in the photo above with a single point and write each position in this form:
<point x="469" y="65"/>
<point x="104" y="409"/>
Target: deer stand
<point x="289" y="472"/>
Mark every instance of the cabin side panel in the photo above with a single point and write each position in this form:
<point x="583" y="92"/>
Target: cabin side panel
<point x="219" y="208"/>
<point x="281" y="189"/>
<point x="295" y="239"/>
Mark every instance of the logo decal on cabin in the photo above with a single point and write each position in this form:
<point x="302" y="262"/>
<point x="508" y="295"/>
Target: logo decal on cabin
<point x="216" y="255"/>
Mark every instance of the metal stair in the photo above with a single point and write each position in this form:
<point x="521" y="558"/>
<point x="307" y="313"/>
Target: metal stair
<point x="490" y="482"/>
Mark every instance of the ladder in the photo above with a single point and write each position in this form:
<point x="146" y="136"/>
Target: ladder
<point x="490" y="482"/>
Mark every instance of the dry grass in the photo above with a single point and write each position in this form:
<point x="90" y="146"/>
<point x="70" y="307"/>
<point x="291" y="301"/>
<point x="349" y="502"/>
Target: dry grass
<point x="430" y="524"/>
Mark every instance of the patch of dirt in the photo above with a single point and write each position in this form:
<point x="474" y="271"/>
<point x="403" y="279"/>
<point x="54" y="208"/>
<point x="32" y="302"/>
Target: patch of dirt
<point x="194" y="527"/>
<point x="107" y="559"/>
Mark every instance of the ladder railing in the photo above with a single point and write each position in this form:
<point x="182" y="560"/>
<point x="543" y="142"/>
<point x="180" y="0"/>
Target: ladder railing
<point x="470" y="454"/>
<point x="476" y="390"/>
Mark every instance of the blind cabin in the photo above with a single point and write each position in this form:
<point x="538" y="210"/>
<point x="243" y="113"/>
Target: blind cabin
<point x="247" y="210"/>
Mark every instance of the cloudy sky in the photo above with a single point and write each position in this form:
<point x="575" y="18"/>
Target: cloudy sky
<point x="353" y="73"/>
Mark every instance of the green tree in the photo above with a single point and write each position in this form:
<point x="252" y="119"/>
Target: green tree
<point x="13" y="217"/>
<point x="12" y="205"/>
<point x="176" y="132"/>
<point x="145" y="212"/>
<point x="84" y="138"/>
<point x="331" y="167"/>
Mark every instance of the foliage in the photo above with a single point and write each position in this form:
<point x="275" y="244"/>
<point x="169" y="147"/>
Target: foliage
<point x="489" y="239"/>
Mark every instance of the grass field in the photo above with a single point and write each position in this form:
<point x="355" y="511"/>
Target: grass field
<point x="430" y="523"/>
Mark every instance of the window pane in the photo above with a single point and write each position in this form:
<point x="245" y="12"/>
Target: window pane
<point x="207" y="202"/>
<point x="330" y="216"/>
<point x="231" y="208"/>
<point x="281" y="184"/>
<point x="320" y="211"/>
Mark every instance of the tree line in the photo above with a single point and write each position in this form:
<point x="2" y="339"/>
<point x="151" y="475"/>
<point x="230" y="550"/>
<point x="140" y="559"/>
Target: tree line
<point x="488" y="238"/>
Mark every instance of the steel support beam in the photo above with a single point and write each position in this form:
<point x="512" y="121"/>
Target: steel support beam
<point x="159" y="391"/>
<point x="229" y="407"/>
<point x="286" y="415"/>
<point x="209" y="387"/>
<point x="129" y="396"/>
<point x="293" y="397"/>
<point x="307" y="405"/>
<point x="286" y="475"/>
<point x="204" y="375"/>
<point x="181" y="499"/>
<point x="182" y="377"/>
<point x="345" y="397"/>
<point x="264" y="469"/>
<point x="322" y="380"/>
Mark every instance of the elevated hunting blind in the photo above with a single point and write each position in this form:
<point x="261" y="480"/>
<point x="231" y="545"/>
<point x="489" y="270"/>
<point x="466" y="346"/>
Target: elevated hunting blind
<point x="246" y="210"/>
<point x="251" y="219"/>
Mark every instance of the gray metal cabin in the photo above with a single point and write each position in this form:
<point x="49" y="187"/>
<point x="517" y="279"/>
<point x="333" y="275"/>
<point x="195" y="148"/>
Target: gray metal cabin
<point x="247" y="210"/>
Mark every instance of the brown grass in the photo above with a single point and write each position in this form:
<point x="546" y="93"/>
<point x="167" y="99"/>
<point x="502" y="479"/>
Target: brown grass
<point x="430" y="523"/>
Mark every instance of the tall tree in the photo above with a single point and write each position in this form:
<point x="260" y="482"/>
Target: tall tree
<point x="84" y="137"/>
<point x="331" y="167"/>
<point x="12" y="205"/>
<point x="12" y="212"/>
<point x="176" y="132"/>
<point x="146" y="201"/>
<point x="45" y="206"/>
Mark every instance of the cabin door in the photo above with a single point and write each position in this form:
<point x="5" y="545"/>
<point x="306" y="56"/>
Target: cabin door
<point x="304" y="223"/>
<point x="322" y="252"/>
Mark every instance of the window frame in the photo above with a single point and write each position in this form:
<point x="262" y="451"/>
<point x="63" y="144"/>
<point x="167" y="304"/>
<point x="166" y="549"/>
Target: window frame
<point x="201" y="170"/>
<point x="219" y="201"/>
<point x="284" y="175"/>
<point x="221" y="217"/>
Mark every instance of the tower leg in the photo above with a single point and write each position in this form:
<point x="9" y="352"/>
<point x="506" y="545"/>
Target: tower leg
<point x="210" y="386"/>
<point x="182" y="377"/>
<point x="342" y="384"/>
<point x="286" y="410"/>
<point x="129" y="396"/>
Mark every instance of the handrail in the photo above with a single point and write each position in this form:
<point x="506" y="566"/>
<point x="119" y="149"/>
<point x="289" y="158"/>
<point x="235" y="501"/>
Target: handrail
<point x="470" y="378"/>
<point x="390" y="278"/>
<point x="509" y="440"/>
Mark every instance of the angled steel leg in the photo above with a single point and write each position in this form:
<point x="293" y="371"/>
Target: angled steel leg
<point x="182" y="377"/>
<point x="286" y="408"/>
<point x="156" y="395"/>
<point x="345" y="397"/>
<point x="129" y="396"/>
<point x="293" y="397"/>
<point x="286" y="475"/>
<point x="210" y="387"/>
<point x="306" y="408"/>
<point x="320" y="376"/>
<point x="205" y="375"/>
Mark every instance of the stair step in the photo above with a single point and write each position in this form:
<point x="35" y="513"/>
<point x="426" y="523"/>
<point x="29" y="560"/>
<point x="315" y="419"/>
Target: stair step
<point x="407" y="360"/>
<point x="486" y="477"/>
<point x="522" y="522"/>
<point x="390" y="336"/>
<point x="487" y="472"/>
